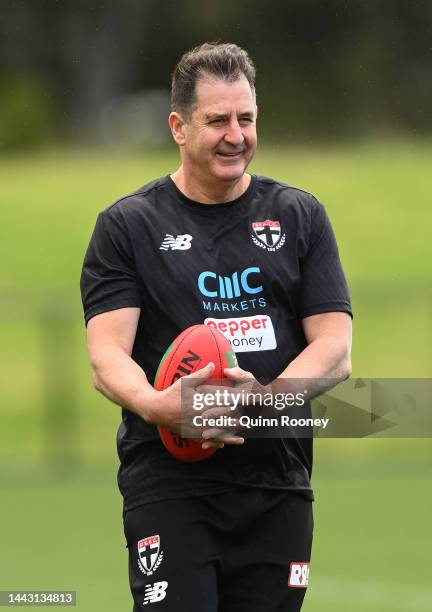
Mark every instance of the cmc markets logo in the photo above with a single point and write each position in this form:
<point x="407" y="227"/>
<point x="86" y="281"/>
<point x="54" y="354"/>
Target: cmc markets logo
<point x="239" y="285"/>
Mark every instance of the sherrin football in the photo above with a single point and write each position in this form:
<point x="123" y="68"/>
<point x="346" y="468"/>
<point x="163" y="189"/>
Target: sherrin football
<point x="193" y="349"/>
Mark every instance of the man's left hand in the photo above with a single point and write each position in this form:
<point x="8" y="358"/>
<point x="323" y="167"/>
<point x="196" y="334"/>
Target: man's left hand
<point x="241" y="385"/>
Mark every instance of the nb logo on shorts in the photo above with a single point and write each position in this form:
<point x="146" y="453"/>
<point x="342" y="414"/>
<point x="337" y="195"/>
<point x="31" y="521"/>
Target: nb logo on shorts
<point x="155" y="592"/>
<point x="299" y="574"/>
<point x="182" y="242"/>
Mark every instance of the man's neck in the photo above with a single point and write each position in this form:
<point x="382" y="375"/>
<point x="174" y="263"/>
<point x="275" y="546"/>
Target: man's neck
<point x="210" y="193"/>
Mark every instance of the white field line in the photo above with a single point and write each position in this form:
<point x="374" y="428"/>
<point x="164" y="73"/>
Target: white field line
<point x="365" y="595"/>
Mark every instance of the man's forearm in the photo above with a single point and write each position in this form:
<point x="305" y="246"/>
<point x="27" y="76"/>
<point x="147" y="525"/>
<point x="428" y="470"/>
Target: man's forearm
<point x="320" y="366"/>
<point x="326" y="357"/>
<point x="121" y="380"/>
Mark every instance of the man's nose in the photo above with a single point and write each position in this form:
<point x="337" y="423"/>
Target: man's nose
<point x="234" y="134"/>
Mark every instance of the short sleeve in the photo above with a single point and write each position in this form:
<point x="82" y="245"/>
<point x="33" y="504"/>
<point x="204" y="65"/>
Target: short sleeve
<point x="108" y="278"/>
<point x="323" y="284"/>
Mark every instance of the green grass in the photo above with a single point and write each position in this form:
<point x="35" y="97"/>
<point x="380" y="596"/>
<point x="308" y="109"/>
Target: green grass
<point x="63" y="530"/>
<point x="372" y="535"/>
<point x="371" y="539"/>
<point x="377" y="198"/>
<point x="65" y="534"/>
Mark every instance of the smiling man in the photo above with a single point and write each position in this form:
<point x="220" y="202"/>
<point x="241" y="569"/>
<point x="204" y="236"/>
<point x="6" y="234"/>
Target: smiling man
<point x="256" y="259"/>
<point x="216" y="133"/>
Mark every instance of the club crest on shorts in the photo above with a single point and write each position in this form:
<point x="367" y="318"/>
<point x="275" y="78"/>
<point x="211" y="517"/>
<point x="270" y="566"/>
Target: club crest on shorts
<point x="149" y="554"/>
<point x="268" y="235"/>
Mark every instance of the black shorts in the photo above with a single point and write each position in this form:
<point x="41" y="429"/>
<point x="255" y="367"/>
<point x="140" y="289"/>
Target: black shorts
<point x="246" y="550"/>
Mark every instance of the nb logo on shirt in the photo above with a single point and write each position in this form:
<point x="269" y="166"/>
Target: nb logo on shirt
<point x="155" y="592"/>
<point x="182" y="242"/>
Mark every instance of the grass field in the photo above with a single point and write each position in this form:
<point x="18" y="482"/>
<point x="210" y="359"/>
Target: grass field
<point x="62" y="529"/>
<point x="371" y="547"/>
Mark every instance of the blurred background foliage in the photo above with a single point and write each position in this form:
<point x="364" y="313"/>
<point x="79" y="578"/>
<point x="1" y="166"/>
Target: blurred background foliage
<point x="326" y="70"/>
<point x="344" y="91"/>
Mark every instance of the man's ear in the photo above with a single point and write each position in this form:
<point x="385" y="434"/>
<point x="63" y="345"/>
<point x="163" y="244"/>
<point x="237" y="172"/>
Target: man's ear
<point x="178" y="128"/>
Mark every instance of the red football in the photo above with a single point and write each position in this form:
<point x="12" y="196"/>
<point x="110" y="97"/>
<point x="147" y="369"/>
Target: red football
<point x="193" y="349"/>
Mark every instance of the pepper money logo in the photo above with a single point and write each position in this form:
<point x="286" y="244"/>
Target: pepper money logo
<point x="254" y="333"/>
<point x="224" y="289"/>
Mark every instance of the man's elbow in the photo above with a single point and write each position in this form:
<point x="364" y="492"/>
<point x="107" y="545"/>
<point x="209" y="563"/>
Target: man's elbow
<point x="97" y="382"/>
<point x="346" y="369"/>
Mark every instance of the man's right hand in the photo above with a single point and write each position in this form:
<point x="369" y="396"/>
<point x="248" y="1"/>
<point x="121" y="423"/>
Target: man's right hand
<point x="172" y="409"/>
<point x="165" y="407"/>
<point x="115" y="374"/>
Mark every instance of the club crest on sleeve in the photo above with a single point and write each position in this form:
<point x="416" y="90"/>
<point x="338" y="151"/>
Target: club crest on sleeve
<point x="149" y="554"/>
<point x="268" y="235"/>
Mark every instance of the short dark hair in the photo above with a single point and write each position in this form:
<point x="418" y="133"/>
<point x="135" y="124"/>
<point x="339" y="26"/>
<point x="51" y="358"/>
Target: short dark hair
<point x="225" y="61"/>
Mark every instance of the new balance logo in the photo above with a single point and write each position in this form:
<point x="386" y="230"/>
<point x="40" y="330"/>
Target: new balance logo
<point x="155" y="592"/>
<point x="181" y="243"/>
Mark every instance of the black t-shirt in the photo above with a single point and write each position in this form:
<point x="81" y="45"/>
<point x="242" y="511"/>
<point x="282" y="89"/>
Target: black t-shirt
<point x="269" y="257"/>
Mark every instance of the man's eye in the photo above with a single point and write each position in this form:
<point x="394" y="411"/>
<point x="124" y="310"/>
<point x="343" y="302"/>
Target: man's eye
<point x="245" y="120"/>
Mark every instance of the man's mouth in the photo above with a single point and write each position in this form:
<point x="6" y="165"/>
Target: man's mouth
<point x="224" y="154"/>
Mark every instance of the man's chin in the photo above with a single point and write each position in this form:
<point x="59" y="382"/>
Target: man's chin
<point x="230" y="178"/>
<point x="230" y="173"/>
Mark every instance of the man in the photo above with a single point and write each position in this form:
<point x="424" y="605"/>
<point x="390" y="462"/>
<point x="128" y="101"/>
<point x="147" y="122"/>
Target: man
<point x="234" y="532"/>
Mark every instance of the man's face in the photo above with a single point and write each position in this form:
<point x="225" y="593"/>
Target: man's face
<point x="220" y="138"/>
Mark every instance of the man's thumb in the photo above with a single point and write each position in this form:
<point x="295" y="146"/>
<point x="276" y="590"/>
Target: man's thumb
<point x="204" y="372"/>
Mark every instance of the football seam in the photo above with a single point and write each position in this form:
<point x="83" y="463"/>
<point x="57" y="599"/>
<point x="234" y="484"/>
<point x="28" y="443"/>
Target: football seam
<point x="173" y="354"/>
<point x="218" y="351"/>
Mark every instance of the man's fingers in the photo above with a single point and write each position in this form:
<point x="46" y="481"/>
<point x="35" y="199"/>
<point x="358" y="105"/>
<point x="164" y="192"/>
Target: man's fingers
<point x="201" y="374"/>
<point x="219" y="442"/>
<point x="204" y="372"/>
<point x="237" y="373"/>
<point x="209" y="389"/>
<point x="223" y="435"/>
<point x="212" y="444"/>
<point x="236" y="440"/>
<point x="218" y="433"/>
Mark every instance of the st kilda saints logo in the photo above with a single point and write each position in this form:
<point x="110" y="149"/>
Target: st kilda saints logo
<point x="268" y="235"/>
<point x="149" y="554"/>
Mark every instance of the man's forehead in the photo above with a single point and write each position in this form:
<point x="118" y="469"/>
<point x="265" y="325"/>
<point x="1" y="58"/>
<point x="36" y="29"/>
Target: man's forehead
<point x="215" y="95"/>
